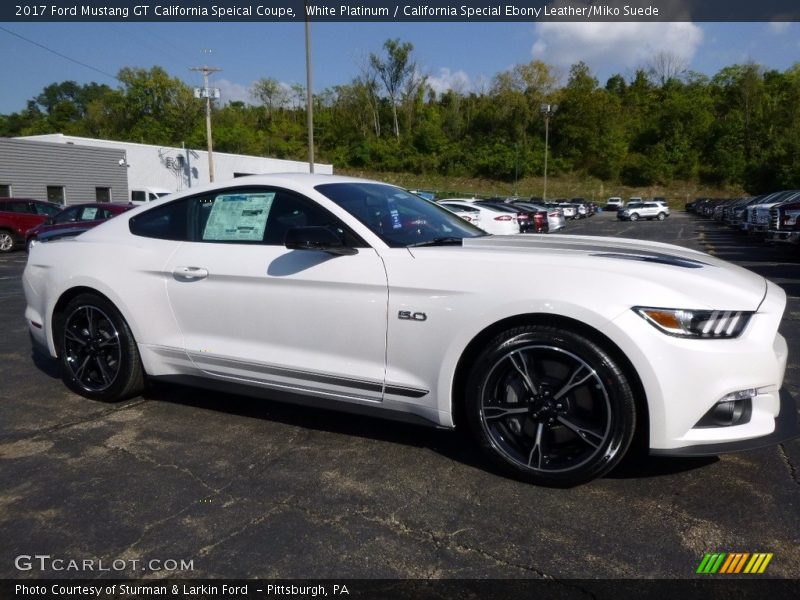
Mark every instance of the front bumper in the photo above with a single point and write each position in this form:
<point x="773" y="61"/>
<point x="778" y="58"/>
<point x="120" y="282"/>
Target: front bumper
<point x="789" y="237"/>
<point x="684" y="379"/>
<point x="786" y="428"/>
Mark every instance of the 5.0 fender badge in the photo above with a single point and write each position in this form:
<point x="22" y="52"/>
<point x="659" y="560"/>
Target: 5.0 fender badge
<point x="407" y="315"/>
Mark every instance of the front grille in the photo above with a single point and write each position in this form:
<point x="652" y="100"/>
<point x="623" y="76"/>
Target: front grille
<point x="774" y="218"/>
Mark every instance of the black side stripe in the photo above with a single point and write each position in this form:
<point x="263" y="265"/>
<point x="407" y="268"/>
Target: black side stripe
<point x="346" y="382"/>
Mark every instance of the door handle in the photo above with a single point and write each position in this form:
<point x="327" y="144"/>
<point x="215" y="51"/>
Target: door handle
<point x="190" y="273"/>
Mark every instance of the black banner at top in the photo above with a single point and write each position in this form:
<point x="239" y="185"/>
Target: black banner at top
<point x="398" y="10"/>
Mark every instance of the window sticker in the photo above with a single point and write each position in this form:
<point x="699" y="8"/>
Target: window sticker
<point x="394" y="214"/>
<point x="238" y="217"/>
<point x="89" y="213"/>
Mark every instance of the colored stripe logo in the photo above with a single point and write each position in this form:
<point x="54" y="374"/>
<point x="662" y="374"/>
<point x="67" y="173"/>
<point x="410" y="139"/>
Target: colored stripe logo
<point x="732" y="563"/>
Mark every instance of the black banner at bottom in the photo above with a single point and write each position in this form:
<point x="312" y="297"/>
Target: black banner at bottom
<point x="410" y="589"/>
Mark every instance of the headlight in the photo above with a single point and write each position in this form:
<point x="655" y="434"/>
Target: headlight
<point x="713" y="324"/>
<point x="33" y="243"/>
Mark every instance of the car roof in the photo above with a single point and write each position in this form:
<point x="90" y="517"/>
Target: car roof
<point x="111" y="205"/>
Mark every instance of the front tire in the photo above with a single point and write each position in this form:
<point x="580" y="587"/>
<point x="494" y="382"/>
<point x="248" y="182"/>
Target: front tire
<point x="550" y="406"/>
<point x="661" y="216"/>
<point x="97" y="352"/>
<point x="634" y="217"/>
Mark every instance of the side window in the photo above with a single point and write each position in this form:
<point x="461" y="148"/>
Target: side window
<point x="138" y="196"/>
<point x="167" y="222"/>
<point x="89" y="213"/>
<point x="235" y="216"/>
<point x="41" y="208"/>
<point x="291" y="210"/>
<point x="67" y="216"/>
<point x="257" y="216"/>
<point x="20" y="207"/>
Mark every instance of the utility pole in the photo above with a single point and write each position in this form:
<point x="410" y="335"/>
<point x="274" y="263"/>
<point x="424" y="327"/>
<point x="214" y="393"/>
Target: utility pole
<point x="207" y="93"/>
<point x="309" y="98"/>
<point x="547" y="110"/>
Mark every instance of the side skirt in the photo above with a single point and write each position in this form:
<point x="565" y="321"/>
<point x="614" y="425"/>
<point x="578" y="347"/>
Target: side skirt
<point x="388" y="409"/>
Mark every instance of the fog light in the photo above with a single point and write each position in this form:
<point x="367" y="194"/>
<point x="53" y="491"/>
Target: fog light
<point x="732" y="409"/>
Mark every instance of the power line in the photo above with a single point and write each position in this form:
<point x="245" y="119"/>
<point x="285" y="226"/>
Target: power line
<point x="146" y="45"/>
<point x="64" y="56"/>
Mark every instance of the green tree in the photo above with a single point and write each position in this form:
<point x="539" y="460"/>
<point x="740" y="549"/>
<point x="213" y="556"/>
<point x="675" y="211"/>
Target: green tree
<point x="395" y="71"/>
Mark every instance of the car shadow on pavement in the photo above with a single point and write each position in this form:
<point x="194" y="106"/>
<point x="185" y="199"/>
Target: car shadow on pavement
<point x="45" y="363"/>
<point x="645" y="466"/>
<point x="455" y="445"/>
<point x="451" y="444"/>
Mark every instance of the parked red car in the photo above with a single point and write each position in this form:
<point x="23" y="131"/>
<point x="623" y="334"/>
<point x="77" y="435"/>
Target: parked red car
<point x="20" y="215"/>
<point x="74" y="220"/>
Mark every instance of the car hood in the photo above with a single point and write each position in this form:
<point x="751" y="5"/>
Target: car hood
<point x="700" y="277"/>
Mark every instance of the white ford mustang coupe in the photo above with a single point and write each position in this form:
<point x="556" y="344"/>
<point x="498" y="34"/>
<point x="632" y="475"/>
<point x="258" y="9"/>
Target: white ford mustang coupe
<point x="553" y="350"/>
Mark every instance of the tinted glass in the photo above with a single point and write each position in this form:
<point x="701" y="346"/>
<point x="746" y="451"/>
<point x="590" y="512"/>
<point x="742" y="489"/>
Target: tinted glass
<point x="165" y="222"/>
<point x="66" y="216"/>
<point x="397" y="217"/>
<point x="50" y="210"/>
<point x="18" y="206"/>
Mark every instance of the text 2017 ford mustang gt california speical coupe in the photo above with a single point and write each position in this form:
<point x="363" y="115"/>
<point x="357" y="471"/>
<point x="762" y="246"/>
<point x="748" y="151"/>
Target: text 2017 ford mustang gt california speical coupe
<point x="554" y="350"/>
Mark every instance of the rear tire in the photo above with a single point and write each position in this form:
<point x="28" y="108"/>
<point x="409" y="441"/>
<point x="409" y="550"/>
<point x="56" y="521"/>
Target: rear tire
<point x="550" y="406"/>
<point x="6" y="241"/>
<point x="96" y="350"/>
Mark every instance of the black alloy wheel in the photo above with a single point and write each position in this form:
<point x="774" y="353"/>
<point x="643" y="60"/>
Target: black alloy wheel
<point x="96" y="349"/>
<point x="550" y="406"/>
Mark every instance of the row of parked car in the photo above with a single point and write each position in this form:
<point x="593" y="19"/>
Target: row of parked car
<point x="776" y="216"/>
<point x="512" y="215"/>
<point x="26" y="221"/>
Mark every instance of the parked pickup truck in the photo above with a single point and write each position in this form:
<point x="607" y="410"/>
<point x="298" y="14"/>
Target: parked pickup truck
<point x="20" y="215"/>
<point x="758" y="215"/>
<point x="785" y="223"/>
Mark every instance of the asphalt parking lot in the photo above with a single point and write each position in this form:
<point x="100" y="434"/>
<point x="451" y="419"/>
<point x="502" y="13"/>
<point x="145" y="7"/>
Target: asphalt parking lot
<point x="246" y="488"/>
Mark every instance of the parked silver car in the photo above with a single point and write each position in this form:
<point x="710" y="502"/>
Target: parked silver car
<point x="634" y="211"/>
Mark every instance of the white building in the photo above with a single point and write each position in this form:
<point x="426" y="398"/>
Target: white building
<point x="170" y="169"/>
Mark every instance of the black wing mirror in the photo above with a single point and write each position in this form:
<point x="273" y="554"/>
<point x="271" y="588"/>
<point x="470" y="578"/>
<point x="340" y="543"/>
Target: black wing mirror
<point x="320" y="239"/>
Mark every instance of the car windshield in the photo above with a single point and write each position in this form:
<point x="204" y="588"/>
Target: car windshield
<point x="399" y="218"/>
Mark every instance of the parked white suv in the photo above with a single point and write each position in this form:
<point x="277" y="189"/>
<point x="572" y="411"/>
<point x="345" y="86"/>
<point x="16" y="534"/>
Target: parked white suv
<point x="643" y="210"/>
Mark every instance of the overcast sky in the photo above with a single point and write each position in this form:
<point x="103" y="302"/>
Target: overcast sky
<point x="464" y="55"/>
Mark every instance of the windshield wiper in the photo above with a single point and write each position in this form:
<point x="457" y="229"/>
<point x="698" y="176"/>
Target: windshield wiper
<point x="439" y="241"/>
